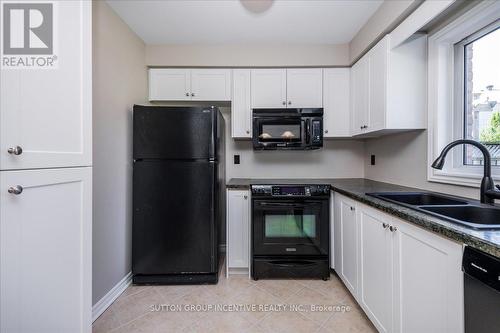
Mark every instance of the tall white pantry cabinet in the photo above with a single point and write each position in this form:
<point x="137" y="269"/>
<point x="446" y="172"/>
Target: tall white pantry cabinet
<point x="46" y="185"/>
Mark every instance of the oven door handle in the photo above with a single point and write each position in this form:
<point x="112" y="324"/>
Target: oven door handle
<point x="281" y="204"/>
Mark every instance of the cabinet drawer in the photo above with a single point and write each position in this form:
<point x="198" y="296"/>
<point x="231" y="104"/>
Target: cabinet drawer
<point x="285" y="268"/>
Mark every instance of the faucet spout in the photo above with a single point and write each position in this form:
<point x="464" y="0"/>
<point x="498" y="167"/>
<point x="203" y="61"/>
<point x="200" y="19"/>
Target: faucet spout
<point x="488" y="191"/>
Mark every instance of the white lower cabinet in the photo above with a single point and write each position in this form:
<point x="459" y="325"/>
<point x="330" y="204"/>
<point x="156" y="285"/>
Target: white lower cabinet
<point x="375" y="267"/>
<point x="428" y="282"/>
<point x="238" y="231"/>
<point x="346" y="252"/>
<point x="409" y="279"/>
<point x="46" y="250"/>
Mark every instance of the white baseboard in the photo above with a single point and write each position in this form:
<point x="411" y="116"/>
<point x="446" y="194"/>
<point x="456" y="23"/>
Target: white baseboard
<point x="111" y="296"/>
<point x="237" y="271"/>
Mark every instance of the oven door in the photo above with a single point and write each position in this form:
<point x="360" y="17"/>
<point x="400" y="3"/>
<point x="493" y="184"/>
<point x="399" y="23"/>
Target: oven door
<point x="290" y="227"/>
<point x="278" y="132"/>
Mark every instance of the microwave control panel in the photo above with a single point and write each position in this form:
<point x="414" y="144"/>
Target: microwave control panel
<point x="317" y="131"/>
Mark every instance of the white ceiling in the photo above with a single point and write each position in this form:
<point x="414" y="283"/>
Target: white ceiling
<point x="245" y="21"/>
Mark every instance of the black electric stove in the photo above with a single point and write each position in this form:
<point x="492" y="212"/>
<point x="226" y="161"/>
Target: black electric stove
<point x="290" y="231"/>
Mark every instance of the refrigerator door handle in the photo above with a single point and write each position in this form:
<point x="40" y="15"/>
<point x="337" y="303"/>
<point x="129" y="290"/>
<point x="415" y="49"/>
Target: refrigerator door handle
<point x="213" y="136"/>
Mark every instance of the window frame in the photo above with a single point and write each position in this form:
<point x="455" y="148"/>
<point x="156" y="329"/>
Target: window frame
<point x="460" y="93"/>
<point x="446" y="92"/>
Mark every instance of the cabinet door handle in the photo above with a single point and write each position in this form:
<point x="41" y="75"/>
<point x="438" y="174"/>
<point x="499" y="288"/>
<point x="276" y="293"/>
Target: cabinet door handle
<point x="385" y="225"/>
<point x="18" y="189"/>
<point x="326" y="131"/>
<point x="245" y="197"/>
<point x="289" y="102"/>
<point x="393" y="229"/>
<point x="17" y="150"/>
<point x="187" y="94"/>
<point x="192" y="94"/>
<point x="284" y="103"/>
<point x="353" y="209"/>
<point x="248" y="132"/>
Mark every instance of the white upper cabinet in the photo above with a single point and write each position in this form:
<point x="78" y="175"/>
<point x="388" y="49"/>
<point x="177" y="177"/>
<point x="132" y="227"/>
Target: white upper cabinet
<point x="377" y="65"/>
<point x="268" y="88"/>
<point x="388" y="88"/>
<point x="336" y="113"/>
<point x="48" y="112"/>
<point x="304" y="87"/>
<point x="241" y="109"/>
<point x="287" y="88"/>
<point x="211" y="84"/>
<point x="169" y="84"/>
<point x="359" y="96"/>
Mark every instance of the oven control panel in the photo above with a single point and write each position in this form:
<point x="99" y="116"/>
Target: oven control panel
<point x="290" y="190"/>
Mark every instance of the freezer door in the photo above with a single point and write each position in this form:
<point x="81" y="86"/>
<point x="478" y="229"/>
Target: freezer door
<point x="174" y="132"/>
<point x="174" y="229"/>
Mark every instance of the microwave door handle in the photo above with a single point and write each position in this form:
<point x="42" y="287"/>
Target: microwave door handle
<point x="308" y="131"/>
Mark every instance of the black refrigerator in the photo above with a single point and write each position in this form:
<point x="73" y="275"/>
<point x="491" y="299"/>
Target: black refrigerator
<point x="178" y="194"/>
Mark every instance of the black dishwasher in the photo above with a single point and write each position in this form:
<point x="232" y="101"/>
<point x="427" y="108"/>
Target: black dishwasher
<point x="481" y="291"/>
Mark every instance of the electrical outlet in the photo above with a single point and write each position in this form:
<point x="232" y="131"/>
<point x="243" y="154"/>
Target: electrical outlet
<point x="372" y="160"/>
<point x="236" y="159"/>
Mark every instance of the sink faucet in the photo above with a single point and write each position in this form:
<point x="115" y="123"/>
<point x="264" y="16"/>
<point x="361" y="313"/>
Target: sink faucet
<point x="489" y="191"/>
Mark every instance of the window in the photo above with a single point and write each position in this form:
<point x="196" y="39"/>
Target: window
<point x="480" y="54"/>
<point x="464" y="92"/>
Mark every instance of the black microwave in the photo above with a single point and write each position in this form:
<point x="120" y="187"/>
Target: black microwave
<point x="287" y="129"/>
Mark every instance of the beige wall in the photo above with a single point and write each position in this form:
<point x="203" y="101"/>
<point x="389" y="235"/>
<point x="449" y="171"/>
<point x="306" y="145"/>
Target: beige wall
<point x="119" y="81"/>
<point x="385" y="19"/>
<point x="402" y="159"/>
<point x="338" y="158"/>
<point x="247" y="55"/>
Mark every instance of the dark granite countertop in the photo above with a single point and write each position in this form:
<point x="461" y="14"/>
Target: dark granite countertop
<point x="356" y="188"/>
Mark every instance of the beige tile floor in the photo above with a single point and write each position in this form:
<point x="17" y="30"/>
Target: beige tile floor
<point x="132" y="311"/>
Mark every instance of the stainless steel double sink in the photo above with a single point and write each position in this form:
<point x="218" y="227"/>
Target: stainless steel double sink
<point x="456" y="210"/>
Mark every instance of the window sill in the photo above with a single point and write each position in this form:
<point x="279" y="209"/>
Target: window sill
<point x="457" y="178"/>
